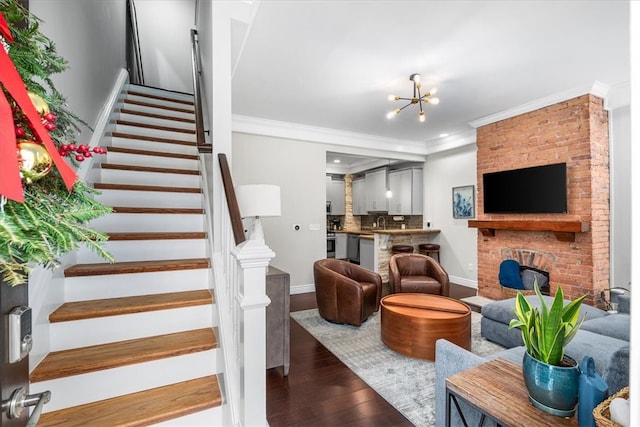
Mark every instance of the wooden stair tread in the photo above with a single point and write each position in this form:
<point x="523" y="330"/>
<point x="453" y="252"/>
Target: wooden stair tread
<point x="143" y="408"/>
<point x="156" y="127"/>
<point x="128" y="209"/>
<point x="153" y="105"/>
<point x="150" y="138"/>
<point x="128" y="267"/>
<point x="91" y="309"/>
<point x="160" y="235"/>
<point x="64" y="363"/>
<point x="148" y="169"/>
<point x="156" y="116"/>
<point x="160" y="97"/>
<point x="153" y="153"/>
<point x="135" y="187"/>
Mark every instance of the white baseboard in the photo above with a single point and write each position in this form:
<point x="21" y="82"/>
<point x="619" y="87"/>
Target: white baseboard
<point x="464" y="282"/>
<point x="302" y="289"/>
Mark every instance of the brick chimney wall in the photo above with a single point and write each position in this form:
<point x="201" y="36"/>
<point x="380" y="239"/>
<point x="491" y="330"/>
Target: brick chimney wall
<point x="574" y="132"/>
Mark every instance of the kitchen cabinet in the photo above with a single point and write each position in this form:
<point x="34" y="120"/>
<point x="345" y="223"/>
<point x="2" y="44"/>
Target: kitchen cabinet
<point x="336" y="195"/>
<point x="341" y="246"/>
<point x="367" y="254"/>
<point x="376" y="187"/>
<point x="358" y="198"/>
<point x="406" y="187"/>
<point x="353" y="248"/>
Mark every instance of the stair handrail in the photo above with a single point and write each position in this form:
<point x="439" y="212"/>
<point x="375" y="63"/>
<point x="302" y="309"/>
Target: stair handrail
<point x="134" y="55"/>
<point x="232" y="201"/>
<point x="196" y="73"/>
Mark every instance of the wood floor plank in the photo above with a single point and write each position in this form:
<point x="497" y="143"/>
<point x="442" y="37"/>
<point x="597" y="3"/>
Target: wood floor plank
<point x="59" y="364"/>
<point x="149" y="169"/>
<point x="158" y="139"/>
<point x="140" y="210"/>
<point x="129" y="187"/>
<point x="179" y="235"/>
<point x="153" y="153"/>
<point x="128" y="267"/>
<point x="155" y="127"/>
<point x="159" y="97"/>
<point x="91" y="309"/>
<point x="154" y="105"/>
<point x="141" y="409"/>
<point x="156" y="116"/>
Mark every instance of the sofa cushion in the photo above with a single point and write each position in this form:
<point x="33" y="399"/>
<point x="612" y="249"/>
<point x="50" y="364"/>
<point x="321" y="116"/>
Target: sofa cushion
<point x="530" y="276"/>
<point x="502" y="311"/>
<point x="614" y="325"/>
<point x="509" y="274"/>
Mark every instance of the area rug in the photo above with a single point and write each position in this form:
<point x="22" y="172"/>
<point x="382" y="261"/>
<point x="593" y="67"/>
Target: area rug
<point x="404" y="382"/>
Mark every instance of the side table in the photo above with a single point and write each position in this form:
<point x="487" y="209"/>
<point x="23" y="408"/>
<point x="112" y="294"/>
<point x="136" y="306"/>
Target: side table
<point x="497" y="390"/>
<point x="277" y="319"/>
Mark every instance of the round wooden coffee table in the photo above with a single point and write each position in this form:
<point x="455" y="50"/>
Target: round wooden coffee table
<point x="411" y="323"/>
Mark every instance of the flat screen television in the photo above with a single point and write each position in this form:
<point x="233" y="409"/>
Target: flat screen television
<point x="539" y="189"/>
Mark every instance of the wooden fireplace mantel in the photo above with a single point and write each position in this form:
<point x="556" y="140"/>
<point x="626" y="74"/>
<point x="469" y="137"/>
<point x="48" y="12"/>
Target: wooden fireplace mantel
<point x="564" y="230"/>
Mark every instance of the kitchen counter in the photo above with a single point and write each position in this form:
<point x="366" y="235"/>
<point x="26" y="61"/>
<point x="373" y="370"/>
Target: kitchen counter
<point x="395" y="232"/>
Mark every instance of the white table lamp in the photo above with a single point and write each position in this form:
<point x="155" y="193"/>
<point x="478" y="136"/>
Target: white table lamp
<point x="258" y="201"/>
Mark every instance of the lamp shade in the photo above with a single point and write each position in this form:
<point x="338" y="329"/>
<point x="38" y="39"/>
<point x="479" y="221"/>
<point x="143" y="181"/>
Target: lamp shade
<point x="258" y="200"/>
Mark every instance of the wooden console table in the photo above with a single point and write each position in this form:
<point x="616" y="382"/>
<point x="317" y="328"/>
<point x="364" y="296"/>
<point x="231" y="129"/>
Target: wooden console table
<point x="277" y="319"/>
<point x="497" y="390"/>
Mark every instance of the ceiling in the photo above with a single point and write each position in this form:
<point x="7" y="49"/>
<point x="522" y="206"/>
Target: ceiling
<point x="332" y="64"/>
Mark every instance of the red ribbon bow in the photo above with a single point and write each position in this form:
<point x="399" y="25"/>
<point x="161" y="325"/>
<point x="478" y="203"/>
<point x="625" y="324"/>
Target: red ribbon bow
<point x="11" y="183"/>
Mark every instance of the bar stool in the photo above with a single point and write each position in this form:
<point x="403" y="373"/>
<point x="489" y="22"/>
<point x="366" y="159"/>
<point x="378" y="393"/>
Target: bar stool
<point x="401" y="249"/>
<point x="429" y="249"/>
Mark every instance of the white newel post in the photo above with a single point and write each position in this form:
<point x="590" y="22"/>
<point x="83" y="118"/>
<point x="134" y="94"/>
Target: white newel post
<point x="253" y="257"/>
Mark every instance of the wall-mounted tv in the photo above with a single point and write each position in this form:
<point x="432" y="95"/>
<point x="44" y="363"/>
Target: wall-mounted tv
<point x="539" y="189"/>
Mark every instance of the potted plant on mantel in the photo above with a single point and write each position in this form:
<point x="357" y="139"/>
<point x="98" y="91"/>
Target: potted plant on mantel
<point x="550" y="376"/>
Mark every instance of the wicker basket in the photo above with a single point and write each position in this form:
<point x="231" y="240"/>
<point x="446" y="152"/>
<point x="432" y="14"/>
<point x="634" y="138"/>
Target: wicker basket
<point x="512" y="293"/>
<point x="601" y="413"/>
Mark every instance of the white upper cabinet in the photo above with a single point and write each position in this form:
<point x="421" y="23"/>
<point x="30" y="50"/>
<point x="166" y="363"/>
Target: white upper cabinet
<point x="358" y="196"/>
<point x="406" y="188"/>
<point x="335" y="195"/>
<point x="376" y="186"/>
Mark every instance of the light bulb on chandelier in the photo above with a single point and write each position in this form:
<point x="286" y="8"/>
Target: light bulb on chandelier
<point x="417" y="98"/>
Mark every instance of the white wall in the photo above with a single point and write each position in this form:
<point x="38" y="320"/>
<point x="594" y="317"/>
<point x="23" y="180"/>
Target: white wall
<point x="620" y="147"/>
<point x="164" y="28"/>
<point x="299" y="169"/>
<point x="458" y="242"/>
<point x="90" y="35"/>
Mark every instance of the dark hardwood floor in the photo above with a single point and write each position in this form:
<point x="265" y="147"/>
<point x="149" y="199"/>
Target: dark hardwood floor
<point x="320" y="390"/>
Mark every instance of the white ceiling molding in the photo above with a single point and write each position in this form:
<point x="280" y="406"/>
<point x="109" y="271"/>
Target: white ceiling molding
<point x="252" y="125"/>
<point x="452" y="142"/>
<point x="619" y="96"/>
<point x="597" y="88"/>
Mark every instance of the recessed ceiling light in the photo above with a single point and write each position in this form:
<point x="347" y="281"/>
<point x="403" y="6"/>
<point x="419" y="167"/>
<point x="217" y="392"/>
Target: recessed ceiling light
<point x="443" y="135"/>
<point x="336" y="161"/>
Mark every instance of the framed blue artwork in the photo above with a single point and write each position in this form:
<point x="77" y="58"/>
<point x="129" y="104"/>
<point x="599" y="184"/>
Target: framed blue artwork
<point x="464" y="202"/>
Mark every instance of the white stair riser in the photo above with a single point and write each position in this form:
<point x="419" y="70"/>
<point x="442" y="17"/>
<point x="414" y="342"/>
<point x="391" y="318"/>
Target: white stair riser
<point x="147" y="223"/>
<point x="119" y="176"/>
<point x="210" y="417"/>
<point x="94" y="386"/>
<point x="154" y="110"/>
<point x="125" y="285"/>
<point x="102" y="330"/>
<point x="137" y="118"/>
<point x="156" y="133"/>
<point x="163" y="93"/>
<point x="149" y="199"/>
<point x="161" y="102"/>
<point x="153" y="161"/>
<point x="140" y="144"/>
<point x="145" y="250"/>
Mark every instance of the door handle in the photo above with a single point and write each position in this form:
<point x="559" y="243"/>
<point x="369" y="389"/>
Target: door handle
<point x="20" y="400"/>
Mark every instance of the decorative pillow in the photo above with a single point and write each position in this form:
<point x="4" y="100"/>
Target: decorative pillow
<point x="509" y="274"/>
<point x="529" y="276"/>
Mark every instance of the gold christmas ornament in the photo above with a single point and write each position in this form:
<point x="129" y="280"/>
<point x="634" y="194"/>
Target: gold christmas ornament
<point x="35" y="161"/>
<point x="39" y="103"/>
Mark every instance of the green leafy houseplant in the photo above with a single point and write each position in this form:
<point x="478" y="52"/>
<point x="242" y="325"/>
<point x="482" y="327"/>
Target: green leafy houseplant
<point x="546" y="331"/>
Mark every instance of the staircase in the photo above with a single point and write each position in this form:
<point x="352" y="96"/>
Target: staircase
<point x="135" y="343"/>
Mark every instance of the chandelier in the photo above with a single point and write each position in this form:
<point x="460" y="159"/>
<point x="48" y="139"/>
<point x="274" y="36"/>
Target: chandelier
<point x="417" y="98"/>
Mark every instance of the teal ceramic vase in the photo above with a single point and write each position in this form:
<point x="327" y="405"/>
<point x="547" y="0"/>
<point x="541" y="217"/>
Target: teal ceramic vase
<point x="553" y="389"/>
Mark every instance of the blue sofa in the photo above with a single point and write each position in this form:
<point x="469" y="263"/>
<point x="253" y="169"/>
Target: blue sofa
<point x="603" y="336"/>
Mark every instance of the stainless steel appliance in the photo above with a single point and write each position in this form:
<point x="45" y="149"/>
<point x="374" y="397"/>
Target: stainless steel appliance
<point x="331" y="244"/>
<point x="353" y="248"/>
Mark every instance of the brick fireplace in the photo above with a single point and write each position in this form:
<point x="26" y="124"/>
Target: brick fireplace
<point x="576" y="244"/>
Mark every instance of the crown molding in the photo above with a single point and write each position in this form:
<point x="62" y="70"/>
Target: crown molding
<point x="256" y="126"/>
<point x="598" y="89"/>
<point x="451" y="142"/>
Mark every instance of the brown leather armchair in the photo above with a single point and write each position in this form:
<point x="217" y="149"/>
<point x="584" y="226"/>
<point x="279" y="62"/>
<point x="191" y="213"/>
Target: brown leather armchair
<point x="417" y="273"/>
<point x="345" y="292"/>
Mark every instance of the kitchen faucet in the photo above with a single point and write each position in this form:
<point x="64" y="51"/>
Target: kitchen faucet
<point x="384" y="223"/>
